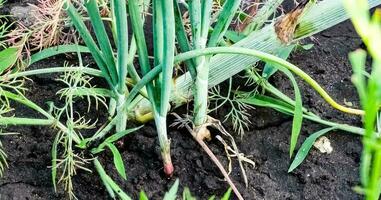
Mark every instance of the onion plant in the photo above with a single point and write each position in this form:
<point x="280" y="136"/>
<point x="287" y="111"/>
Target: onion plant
<point x="164" y="47"/>
<point x="200" y="12"/>
<point x="369" y="90"/>
<point x="115" y="70"/>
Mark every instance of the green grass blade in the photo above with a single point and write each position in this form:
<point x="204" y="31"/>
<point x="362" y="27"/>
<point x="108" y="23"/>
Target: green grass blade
<point x="103" y="131"/>
<point x="298" y="113"/>
<point x="111" y="138"/>
<point x="50" y="70"/>
<point x="107" y="185"/>
<point x="270" y="102"/>
<point x="23" y="100"/>
<point x="120" y="135"/>
<point x="172" y="193"/>
<point x="288" y="109"/>
<point x="306" y="146"/>
<point x="118" y="161"/>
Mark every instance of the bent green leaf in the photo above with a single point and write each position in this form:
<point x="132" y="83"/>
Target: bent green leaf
<point x="298" y="113"/>
<point x="118" y="161"/>
<point x="306" y="146"/>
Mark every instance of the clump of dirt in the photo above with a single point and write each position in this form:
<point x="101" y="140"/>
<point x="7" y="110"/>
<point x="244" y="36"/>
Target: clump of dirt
<point x="321" y="176"/>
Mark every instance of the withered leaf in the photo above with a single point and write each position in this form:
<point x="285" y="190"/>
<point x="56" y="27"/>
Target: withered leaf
<point x="286" y="25"/>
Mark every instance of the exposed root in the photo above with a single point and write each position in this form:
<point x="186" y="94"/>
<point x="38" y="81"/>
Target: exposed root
<point x="230" y="153"/>
<point x="199" y="136"/>
<point x="241" y="158"/>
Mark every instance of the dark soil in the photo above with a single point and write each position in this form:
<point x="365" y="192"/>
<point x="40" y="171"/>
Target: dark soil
<point x="321" y="176"/>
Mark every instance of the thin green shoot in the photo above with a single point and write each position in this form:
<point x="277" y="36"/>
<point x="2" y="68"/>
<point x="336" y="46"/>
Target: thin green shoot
<point x="369" y="92"/>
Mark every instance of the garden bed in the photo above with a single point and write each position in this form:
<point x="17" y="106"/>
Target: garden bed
<point x="321" y="176"/>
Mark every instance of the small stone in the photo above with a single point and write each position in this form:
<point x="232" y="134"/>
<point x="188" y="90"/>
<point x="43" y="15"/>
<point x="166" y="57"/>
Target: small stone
<point x="24" y="14"/>
<point x="324" y="145"/>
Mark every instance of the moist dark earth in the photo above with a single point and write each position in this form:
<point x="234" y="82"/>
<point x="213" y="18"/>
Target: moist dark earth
<point x="321" y="176"/>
